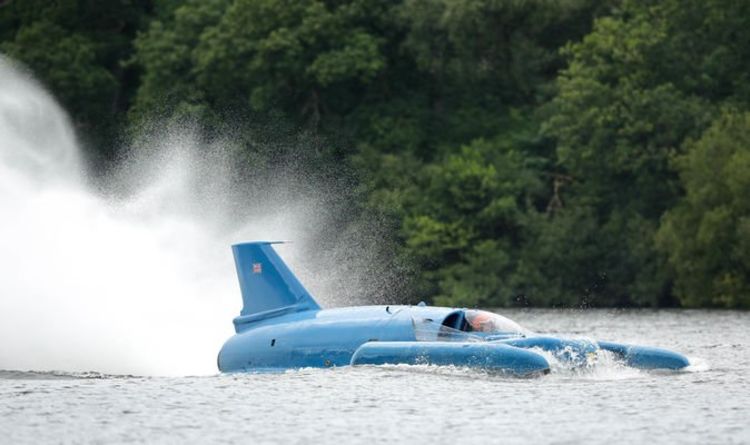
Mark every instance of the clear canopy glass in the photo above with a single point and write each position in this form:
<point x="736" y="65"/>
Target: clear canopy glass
<point x="491" y="323"/>
<point x="474" y="325"/>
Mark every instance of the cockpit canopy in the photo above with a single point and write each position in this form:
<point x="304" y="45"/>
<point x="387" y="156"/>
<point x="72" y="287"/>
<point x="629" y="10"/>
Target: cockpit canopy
<point x="490" y="323"/>
<point x="467" y="325"/>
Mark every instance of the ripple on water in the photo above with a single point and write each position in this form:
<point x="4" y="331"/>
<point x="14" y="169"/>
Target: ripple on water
<point x="607" y="402"/>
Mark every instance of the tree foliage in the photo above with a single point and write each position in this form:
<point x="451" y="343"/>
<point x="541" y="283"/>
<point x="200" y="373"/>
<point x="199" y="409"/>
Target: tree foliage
<point x="540" y="152"/>
<point x="645" y="80"/>
<point x="78" y="49"/>
<point x="707" y="234"/>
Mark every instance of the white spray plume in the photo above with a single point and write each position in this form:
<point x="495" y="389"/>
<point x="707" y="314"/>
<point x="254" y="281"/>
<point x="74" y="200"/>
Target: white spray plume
<point x="137" y="279"/>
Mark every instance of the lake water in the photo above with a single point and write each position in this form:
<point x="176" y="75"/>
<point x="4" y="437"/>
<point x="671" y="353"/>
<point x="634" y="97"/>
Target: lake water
<point x="709" y="403"/>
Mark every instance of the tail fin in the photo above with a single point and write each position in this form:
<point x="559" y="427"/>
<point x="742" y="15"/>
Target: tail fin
<point x="268" y="286"/>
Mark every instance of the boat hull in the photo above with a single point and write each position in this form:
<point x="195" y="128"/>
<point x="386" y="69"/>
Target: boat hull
<point x="487" y="356"/>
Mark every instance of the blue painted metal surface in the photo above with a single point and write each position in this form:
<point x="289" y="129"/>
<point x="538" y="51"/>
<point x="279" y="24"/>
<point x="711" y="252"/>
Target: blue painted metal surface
<point x="646" y="357"/>
<point x="281" y="326"/>
<point x="269" y="288"/>
<point x="483" y="355"/>
<point x="579" y="352"/>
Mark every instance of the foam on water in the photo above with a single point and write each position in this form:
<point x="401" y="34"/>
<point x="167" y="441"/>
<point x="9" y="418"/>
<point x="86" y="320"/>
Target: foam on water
<point x="698" y="364"/>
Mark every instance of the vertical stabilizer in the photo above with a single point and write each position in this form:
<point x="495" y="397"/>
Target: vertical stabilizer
<point x="266" y="282"/>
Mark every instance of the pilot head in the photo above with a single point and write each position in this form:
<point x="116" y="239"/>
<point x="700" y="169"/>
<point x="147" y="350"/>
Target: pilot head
<point x="481" y="322"/>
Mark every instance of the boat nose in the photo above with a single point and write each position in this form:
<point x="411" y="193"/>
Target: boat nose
<point x="646" y="357"/>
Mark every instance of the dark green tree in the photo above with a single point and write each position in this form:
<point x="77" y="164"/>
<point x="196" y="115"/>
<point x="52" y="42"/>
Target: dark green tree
<point x="78" y="49"/>
<point x="706" y="236"/>
<point x="645" y="80"/>
<point x="465" y="225"/>
<point x="538" y="152"/>
<point x="306" y="59"/>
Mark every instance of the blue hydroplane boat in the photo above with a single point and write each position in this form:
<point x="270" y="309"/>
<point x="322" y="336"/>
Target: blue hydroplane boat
<point x="281" y="326"/>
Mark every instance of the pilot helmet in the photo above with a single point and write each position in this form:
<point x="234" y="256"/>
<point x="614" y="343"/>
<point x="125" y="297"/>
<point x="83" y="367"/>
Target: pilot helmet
<point x="479" y="321"/>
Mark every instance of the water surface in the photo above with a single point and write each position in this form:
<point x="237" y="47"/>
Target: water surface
<point x="608" y="404"/>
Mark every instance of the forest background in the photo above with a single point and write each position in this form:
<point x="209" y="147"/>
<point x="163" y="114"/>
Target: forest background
<point x="563" y="153"/>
